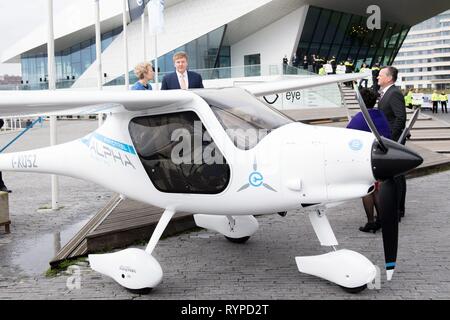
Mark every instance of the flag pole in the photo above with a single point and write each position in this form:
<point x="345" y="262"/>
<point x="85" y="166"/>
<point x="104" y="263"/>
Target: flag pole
<point x="52" y="86"/>
<point x="98" y="45"/>
<point x="156" y="61"/>
<point x="144" y="46"/>
<point x="98" y="52"/>
<point x="125" y="45"/>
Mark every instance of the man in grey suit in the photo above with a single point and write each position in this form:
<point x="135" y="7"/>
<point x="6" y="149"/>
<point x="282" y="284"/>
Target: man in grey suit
<point x="392" y="104"/>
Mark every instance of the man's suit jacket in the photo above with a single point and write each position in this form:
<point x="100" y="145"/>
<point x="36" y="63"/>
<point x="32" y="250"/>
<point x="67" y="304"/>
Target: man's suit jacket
<point x="393" y="106"/>
<point x="170" y="81"/>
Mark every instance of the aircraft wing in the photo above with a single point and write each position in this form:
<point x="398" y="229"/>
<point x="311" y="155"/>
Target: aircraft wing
<point x="65" y="102"/>
<point x="274" y="87"/>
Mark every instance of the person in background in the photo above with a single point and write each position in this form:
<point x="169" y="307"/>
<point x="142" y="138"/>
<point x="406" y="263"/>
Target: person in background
<point x="285" y="64"/>
<point x="319" y="62"/>
<point x="349" y="68"/>
<point x="322" y="71"/>
<point x="294" y="60"/>
<point x="144" y="73"/>
<point x="182" y="78"/>
<point x="333" y="64"/>
<point x="435" y="99"/>
<point x="370" y="202"/>
<point x="314" y="63"/>
<point x="409" y="99"/>
<point x="305" y="63"/>
<point x="2" y="184"/>
<point x="375" y="73"/>
<point x="363" y="69"/>
<point x="444" y="101"/>
<point x="392" y="104"/>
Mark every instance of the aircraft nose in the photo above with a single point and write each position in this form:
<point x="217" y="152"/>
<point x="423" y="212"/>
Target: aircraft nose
<point x="395" y="161"/>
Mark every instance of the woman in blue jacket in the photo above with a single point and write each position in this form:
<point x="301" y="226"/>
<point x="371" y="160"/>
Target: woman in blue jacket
<point x="144" y="73"/>
<point x="359" y="123"/>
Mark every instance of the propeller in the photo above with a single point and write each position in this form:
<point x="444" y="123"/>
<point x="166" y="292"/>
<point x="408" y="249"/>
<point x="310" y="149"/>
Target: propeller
<point x="389" y="160"/>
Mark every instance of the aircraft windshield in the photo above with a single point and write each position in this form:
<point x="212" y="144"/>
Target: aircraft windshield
<point x="245" y="119"/>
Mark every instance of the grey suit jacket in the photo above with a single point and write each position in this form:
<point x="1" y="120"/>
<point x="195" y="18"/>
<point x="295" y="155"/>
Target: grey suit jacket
<point x="393" y="106"/>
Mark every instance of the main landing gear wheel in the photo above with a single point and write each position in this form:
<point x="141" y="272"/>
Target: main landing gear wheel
<point x="237" y="240"/>
<point x="142" y="291"/>
<point x="355" y="290"/>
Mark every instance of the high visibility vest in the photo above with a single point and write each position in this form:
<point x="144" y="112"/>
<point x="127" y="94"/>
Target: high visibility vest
<point x="435" y="97"/>
<point x="363" y="70"/>
<point x="408" y="99"/>
<point x="322" y="72"/>
<point x="444" y="97"/>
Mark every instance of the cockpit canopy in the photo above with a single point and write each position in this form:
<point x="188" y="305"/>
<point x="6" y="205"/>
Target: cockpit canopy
<point x="246" y="119"/>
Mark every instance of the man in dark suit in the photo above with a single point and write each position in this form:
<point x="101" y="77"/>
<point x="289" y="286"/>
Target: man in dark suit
<point x="392" y="104"/>
<point x="391" y="101"/>
<point x="2" y="184"/>
<point x="181" y="78"/>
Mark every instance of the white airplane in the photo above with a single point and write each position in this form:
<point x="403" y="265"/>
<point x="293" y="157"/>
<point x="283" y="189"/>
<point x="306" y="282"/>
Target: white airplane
<point x="195" y="151"/>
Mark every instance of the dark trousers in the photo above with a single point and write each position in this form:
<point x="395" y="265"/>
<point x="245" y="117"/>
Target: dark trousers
<point x="435" y="106"/>
<point x="2" y="184"/>
<point x="444" y="105"/>
<point x="400" y="184"/>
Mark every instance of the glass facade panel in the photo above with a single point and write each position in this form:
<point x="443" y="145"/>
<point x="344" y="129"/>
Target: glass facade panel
<point x="70" y="62"/>
<point x="205" y="52"/>
<point x="330" y="33"/>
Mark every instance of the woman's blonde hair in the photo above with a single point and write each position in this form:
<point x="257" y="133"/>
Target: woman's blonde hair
<point x="142" y="68"/>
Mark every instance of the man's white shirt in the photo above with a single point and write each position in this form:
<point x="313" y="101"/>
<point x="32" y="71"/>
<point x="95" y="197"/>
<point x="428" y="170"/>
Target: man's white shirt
<point x="386" y="89"/>
<point x="185" y="76"/>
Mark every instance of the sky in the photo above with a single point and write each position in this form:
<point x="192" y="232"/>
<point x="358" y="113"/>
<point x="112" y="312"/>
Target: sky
<point x="17" y="18"/>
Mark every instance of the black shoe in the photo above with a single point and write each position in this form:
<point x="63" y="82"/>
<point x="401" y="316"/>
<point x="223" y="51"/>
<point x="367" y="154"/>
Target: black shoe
<point x="5" y="189"/>
<point x="370" y="227"/>
<point x="378" y="225"/>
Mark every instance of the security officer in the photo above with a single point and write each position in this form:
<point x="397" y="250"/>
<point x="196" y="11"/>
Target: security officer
<point x="435" y="99"/>
<point x="348" y="69"/>
<point x="322" y="71"/>
<point x="349" y="66"/>
<point x="409" y="99"/>
<point x="444" y="101"/>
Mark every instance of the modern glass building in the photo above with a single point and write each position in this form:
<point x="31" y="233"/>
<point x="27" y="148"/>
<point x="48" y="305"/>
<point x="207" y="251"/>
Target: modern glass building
<point x="70" y="62"/>
<point x="329" y="33"/>
<point x="229" y="34"/>
<point x="424" y="59"/>
<point x="205" y="53"/>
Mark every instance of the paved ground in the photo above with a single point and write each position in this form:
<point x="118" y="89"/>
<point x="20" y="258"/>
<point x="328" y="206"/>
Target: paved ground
<point x="203" y="265"/>
<point x="439" y="115"/>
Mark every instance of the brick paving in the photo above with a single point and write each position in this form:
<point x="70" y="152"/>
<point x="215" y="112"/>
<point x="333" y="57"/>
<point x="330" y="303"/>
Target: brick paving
<point x="203" y="265"/>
